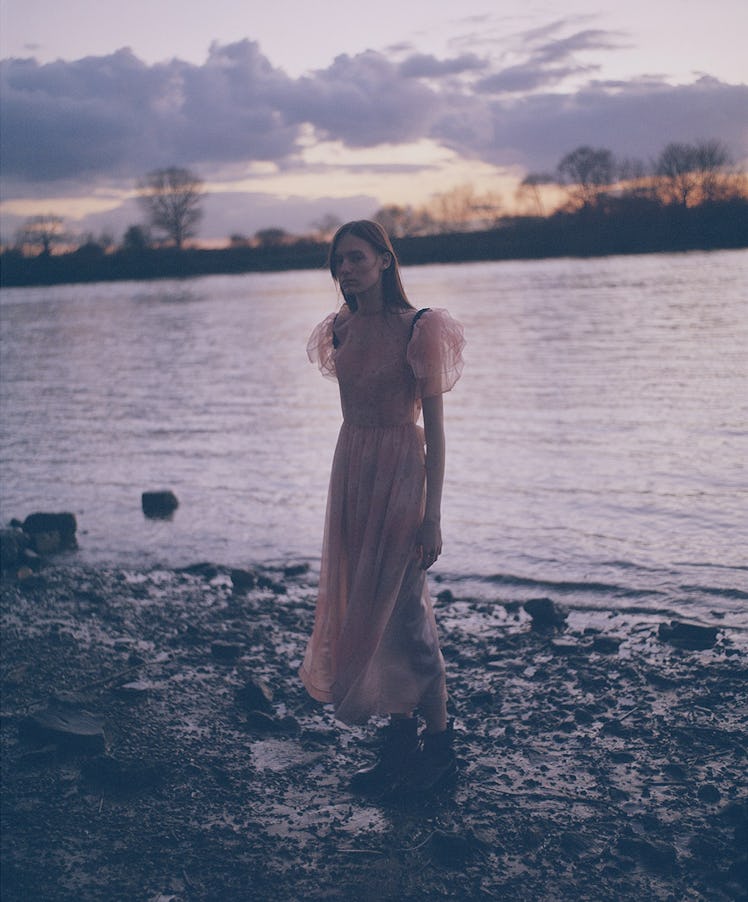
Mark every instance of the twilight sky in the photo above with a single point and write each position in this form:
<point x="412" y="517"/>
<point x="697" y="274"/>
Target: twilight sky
<point x="289" y="110"/>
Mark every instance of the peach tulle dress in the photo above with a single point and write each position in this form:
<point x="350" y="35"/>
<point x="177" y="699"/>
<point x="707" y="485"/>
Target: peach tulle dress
<point x="374" y="649"/>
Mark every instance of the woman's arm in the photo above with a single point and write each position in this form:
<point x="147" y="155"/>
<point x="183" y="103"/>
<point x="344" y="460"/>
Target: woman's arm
<point x="429" y="539"/>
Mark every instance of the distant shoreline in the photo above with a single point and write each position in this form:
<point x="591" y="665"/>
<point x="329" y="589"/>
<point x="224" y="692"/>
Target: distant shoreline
<point x="718" y="226"/>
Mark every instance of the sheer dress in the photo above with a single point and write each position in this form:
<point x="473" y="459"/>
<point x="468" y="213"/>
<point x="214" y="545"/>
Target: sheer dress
<point x="374" y="648"/>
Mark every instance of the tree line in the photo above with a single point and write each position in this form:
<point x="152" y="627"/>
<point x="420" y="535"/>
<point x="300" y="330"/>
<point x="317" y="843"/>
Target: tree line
<point x="690" y="195"/>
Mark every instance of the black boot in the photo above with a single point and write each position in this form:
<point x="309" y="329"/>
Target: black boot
<point x="399" y="750"/>
<point x="436" y="764"/>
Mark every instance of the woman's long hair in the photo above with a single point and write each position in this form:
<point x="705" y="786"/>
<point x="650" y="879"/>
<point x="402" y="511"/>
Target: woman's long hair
<point x="371" y="232"/>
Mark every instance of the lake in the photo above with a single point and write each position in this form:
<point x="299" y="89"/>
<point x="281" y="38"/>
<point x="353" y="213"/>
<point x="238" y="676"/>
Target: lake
<point x="597" y="442"/>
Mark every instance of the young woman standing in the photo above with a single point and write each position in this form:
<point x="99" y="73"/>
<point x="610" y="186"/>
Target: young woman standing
<point x="374" y="649"/>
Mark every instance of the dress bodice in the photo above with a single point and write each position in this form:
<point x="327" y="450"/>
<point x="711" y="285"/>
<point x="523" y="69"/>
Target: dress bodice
<point x="386" y="363"/>
<point x="377" y="384"/>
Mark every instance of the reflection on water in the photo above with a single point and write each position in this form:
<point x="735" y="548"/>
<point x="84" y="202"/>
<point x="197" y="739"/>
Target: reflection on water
<point x="596" y="443"/>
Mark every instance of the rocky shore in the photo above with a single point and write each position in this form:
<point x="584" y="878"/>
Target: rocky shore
<point x="157" y="745"/>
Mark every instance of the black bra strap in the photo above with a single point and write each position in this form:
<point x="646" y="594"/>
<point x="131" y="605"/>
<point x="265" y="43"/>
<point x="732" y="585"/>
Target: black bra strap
<point x="336" y="340"/>
<point x="415" y="320"/>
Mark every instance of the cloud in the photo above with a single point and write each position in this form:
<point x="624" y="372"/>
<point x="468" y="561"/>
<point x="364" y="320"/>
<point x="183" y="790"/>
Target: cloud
<point x="363" y="101"/>
<point x="549" y="62"/>
<point x="422" y="65"/>
<point x="527" y="77"/>
<point x="635" y="120"/>
<point x="114" y="116"/>
<point x="107" y="120"/>
<point x="561" y="49"/>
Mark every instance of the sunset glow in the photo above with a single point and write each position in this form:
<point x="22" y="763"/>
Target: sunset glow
<point x="288" y="119"/>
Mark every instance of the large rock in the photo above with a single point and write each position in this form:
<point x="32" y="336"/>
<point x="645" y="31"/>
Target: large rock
<point x="546" y="614"/>
<point x="688" y="635"/>
<point x="159" y="504"/>
<point x="51" y="532"/>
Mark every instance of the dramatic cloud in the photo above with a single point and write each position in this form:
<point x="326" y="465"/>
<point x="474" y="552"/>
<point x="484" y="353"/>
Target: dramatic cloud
<point x="115" y="116"/>
<point x="107" y="120"/>
<point x="633" y="120"/>
<point x="363" y="101"/>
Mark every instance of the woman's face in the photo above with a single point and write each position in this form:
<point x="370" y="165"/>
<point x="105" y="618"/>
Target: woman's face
<point x="357" y="264"/>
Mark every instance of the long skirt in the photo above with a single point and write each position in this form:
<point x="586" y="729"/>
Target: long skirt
<point x="374" y="649"/>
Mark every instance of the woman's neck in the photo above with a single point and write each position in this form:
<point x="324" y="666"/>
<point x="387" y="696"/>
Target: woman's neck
<point x="370" y="302"/>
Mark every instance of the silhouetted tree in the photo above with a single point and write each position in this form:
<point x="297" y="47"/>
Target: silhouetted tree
<point x="104" y="241"/>
<point x="41" y="232"/>
<point x="530" y="187"/>
<point x="135" y="240"/>
<point x="461" y="209"/>
<point x="713" y="160"/>
<point x="690" y="174"/>
<point x="171" y="199"/>
<point x="635" y="180"/>
<point x="400" y="222"/>
<point x="676" y="169"/>
<point x="587" y="171"/>
<point x="272" y="237"/>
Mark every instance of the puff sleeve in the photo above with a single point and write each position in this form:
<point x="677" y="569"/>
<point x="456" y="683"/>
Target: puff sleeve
<point x="320" y="348"/>
<point x="435" y="352"/>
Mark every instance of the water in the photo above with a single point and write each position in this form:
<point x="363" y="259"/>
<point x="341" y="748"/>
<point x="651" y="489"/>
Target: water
<point x="597" y="443"/>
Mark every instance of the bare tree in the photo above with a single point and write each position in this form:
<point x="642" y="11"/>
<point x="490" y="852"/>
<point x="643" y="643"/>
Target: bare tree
<point x="530" y="186"/>
<point x="461" y="209"/>
<point x="587" y="171"/>
<point x="713" y="160"/>
<point x="677" y="171"/>
<point x="41" y="232"/>
<point x="691" y="174"/>
<point x="400" y="221"/>
<point x="171" y="199"/>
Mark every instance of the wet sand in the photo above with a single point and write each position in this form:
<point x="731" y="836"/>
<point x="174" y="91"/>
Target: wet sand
<point x="142" y="760"/>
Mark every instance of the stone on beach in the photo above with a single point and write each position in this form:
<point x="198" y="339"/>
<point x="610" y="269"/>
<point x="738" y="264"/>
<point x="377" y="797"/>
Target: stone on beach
<point x="243" y="580"/>
<point x="606" y="645"/>
<point x="51" y="532"/>
<point x="159" y="504"/>
<point x="692" y="636"/>
<point x="136" y="689"/>
<point x="68" y="726"/>
<point x="545" y="614"/>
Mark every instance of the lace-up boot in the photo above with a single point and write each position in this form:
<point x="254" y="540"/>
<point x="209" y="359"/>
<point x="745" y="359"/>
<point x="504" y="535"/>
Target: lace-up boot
<point x="435" y="763"/>
<point x="399" y="751"/>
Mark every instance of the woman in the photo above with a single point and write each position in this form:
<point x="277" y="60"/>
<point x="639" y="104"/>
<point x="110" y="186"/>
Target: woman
<point x="374" y="649"/>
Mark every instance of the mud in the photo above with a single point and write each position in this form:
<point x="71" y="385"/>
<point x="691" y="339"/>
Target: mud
<point x="597" y="761"/>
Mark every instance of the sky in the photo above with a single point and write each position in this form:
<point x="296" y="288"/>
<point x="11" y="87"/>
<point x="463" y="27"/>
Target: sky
<point x="291" y="110"/>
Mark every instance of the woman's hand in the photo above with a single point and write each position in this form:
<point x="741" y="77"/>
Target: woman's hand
<point x="429" y="542"/>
